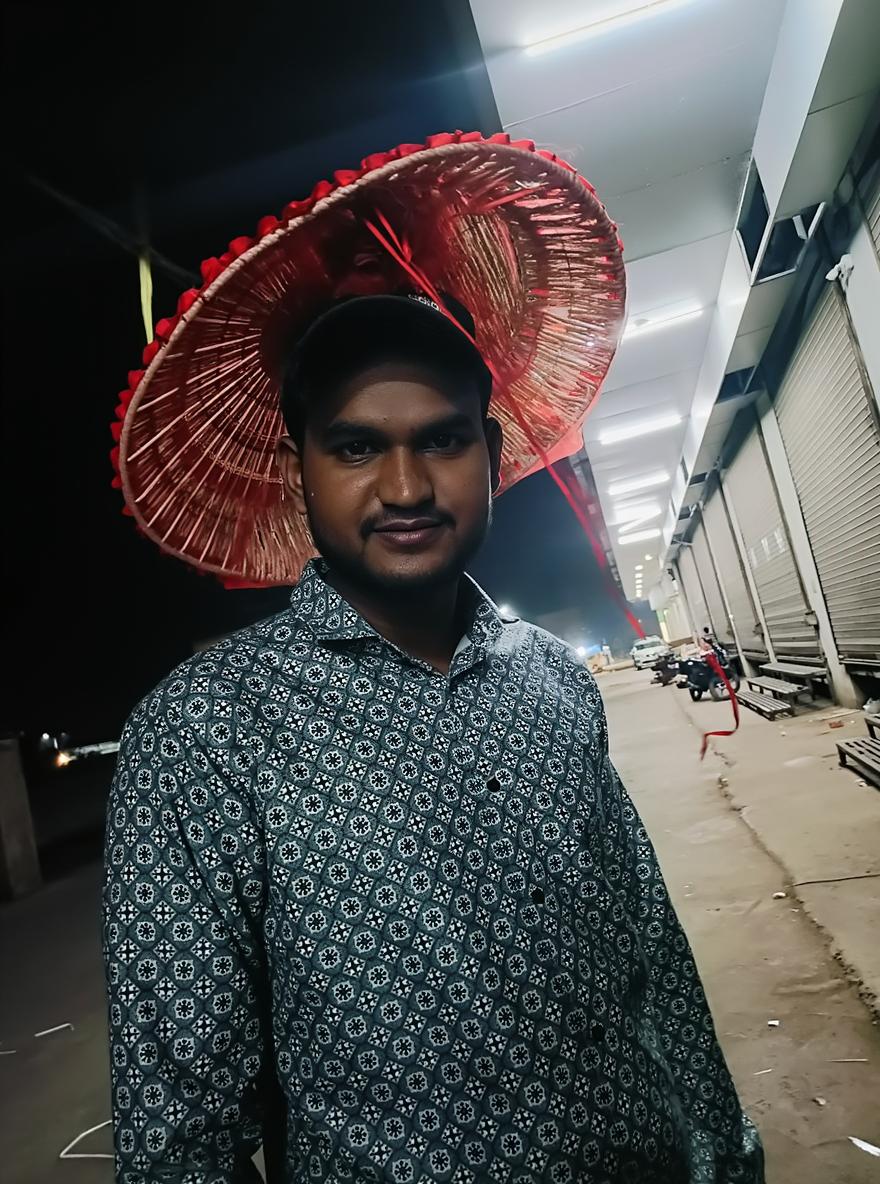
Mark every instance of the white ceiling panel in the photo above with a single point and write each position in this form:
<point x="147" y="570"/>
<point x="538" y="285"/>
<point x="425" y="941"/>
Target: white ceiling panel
<point x="748" y="349"/>
<point x="675" y="40"/>
<point x="655" y="395"/>
<point x="852" y="66"/>
<point x="671" y="212"/>
<point x="620" y="140"/>
<point x="687" y="276"/>
<point x="647" y="455"/>
<point x="661" y="115"/>
<point x="765" y="304"/>
<point x="826" y="142"/>
<point x="715" y="436"/>
<point x="669" y="351"/>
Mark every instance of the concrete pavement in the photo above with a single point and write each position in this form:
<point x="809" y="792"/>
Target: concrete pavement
<point x="769" y="813"/>
<point x="764" y="810"/>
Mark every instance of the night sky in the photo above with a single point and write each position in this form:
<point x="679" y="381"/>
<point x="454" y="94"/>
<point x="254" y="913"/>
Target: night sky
<point x="202" y="125"/>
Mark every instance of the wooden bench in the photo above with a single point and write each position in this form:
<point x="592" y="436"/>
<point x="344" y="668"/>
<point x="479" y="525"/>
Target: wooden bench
<point x="872" y="723"/>
<point x="779" y="689"/>
<point x="765" y="705"/>
<point x="808" y="676"/>
<point x="863" y="755"/>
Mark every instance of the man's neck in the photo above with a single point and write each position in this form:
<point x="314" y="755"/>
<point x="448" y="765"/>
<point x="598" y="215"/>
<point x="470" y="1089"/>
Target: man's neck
<point x="427" y="625"/>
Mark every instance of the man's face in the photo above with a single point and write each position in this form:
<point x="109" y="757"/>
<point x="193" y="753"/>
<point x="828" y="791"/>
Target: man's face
<point x="395" y="475"/>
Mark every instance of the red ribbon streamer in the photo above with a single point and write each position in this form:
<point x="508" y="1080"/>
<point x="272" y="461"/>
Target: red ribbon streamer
<point x="716" y="666"/>
<point x="401" y="252"/>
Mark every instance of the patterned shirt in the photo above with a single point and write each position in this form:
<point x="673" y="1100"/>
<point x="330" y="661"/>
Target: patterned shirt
<point x="423" y="900"/>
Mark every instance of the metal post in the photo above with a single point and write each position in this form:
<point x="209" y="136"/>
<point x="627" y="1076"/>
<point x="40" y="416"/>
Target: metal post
<point x="684" y="598"/>
<point x="844" y="689"/>
<point x="748" y="668"/>
<point x="19" y="865"/>
<point x="737" y="533"/>
<point x="698" y="629"/>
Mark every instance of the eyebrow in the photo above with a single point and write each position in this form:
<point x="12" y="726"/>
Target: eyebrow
<point x="346" y="429"/>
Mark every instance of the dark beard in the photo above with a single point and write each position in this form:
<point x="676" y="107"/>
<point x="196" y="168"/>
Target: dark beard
<point x="353" y="573"/>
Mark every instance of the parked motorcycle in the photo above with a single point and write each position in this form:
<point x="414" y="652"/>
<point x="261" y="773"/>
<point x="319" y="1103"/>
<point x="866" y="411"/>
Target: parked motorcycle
<point x="665" y="669"/>
<point x="702" y="678"/>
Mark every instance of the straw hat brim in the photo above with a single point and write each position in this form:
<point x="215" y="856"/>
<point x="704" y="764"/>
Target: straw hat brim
<point x="514" y="234"/>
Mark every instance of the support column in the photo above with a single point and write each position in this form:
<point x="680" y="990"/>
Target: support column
<point x="748" y="668"/>
<point x="664" y="599"/>
<point x="737" y="533"/>
<point x="843" y="688"/>
<point x="19" y="865"/>
<point x="686" y="604"/>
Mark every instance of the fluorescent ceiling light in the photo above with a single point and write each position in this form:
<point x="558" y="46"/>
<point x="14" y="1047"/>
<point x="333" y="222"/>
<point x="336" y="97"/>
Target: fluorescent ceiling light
<point x="639" y="328"/>
<point x="639" y="536"/>
<point x="638" y="567"/>
<point x="633" y="15"/>
<point x="640" y="513"/>
<point x="643" y="428"/>
<point x="649" y="557"/>
<point x="633" y="484"/>
<point x="632" y="523"/>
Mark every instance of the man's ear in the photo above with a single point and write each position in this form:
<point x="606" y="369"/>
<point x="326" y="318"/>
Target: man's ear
<point x="495" y="442"/>
<point x="289" y="458"/>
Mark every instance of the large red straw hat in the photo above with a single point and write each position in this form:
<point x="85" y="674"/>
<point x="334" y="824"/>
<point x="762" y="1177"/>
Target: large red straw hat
<point x="514" y="234"/>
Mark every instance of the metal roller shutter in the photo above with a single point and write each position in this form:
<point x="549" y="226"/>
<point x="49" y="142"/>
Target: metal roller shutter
<point x="730" y="570"/>
<point x="687" y="570"/>
<point x="831" y="440"/>
<point x="873" y="212"/>
<point x="714" y="601"/>
<point x="750" y="488"/>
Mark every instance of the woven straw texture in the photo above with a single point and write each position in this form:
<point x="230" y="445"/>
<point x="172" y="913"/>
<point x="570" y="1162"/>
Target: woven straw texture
<point x="514" y="234"/>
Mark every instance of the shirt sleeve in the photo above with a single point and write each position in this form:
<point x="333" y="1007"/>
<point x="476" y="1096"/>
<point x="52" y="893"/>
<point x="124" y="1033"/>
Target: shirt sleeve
<point x="183" y="899"/>
<point x="724" y="1144"/>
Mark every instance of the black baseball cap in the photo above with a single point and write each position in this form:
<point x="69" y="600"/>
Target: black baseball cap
<point x="354" y="331"/>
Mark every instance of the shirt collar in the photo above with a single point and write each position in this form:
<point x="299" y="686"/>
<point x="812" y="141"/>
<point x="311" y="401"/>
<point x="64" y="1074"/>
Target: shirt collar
<point x="319" y="606"/>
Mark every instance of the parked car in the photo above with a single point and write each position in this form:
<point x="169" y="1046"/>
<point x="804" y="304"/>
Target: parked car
<point x="647" y="651"/>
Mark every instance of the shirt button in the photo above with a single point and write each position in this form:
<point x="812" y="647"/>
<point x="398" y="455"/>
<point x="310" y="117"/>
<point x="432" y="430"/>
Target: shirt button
<point x="538" y="895"/>
<point x="493" y="785"/>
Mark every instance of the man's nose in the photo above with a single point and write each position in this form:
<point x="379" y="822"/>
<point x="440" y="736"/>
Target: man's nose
<point x="404" y="479"/>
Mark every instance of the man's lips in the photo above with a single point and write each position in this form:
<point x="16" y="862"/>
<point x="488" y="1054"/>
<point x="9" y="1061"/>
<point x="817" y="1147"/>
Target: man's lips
<point x="409" y="532"/>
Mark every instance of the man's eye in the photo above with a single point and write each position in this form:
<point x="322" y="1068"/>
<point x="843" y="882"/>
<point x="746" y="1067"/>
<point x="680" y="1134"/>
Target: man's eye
<point x="444" y="442"/>
<point x="356" y="450"/>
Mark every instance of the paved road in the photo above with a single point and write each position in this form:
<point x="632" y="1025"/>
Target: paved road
<point x="761" y="959"/>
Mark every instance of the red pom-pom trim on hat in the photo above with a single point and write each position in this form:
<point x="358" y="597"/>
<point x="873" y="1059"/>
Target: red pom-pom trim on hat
<point x="347" y="176"/>
<point x="186" y="300"/>
<point x="165" y="327"/>
<point x="211" y="269"/>
<point x="267" y="225"/>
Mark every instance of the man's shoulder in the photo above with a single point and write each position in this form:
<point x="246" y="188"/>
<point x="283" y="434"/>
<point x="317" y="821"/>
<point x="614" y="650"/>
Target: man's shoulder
<point x="545" y="653"/>
<point x="551" y="648"/>
<point x="244" y="663"/>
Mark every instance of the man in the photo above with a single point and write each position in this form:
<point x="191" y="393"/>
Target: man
<point x="374" y="849"/>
